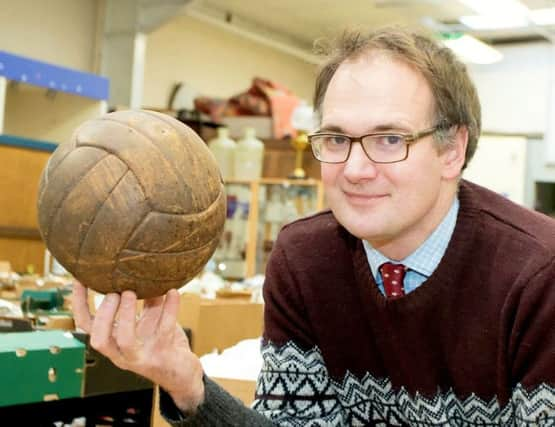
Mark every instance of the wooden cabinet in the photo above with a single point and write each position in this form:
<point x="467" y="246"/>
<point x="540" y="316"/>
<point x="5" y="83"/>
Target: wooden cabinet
<point x="256" y="211"/>
<point x="40" y="106"/>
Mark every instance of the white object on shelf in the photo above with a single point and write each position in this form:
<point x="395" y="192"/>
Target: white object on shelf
<point x="274" y="214"/>
<point x="238" y="235"/>
<point x="223" y="148"/>
<point x="249" y="155"/>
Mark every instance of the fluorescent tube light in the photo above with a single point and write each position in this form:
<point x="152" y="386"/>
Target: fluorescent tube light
<point x="483" y="22"/>
<point x="470" y="49"/>
<point x="497" y="7"/>
<point x="543" y="16"/>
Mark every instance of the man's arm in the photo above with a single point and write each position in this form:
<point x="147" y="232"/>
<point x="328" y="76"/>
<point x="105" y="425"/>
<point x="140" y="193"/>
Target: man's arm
<point x="531" y="350"/>
<point x="218" y="409"/>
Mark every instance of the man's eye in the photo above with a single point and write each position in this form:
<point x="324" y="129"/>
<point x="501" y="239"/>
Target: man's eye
<point x="389" y="140"/>
<point x="393" y="139"/>
<point x="336" y="140"/>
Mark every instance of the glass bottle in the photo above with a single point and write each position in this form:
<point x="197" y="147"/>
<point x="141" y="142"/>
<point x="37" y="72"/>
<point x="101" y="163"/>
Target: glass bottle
<point x="249" y="156"/>
<point x="223" y="148"/>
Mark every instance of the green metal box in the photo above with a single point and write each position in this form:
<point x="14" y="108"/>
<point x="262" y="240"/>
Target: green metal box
<point x="40" y="365"/>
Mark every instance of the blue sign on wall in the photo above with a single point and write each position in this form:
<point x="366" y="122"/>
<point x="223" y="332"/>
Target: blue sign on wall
<point x="37" y="73"/>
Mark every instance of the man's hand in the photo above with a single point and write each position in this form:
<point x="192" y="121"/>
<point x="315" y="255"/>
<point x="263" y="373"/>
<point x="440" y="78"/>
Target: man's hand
<point x="152" y="345"/>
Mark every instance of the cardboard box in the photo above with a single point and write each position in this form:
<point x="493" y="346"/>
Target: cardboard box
<point x="157" y="419"/>
<point x="59" y="322"/>
<point x="5" y="267"/>
<point x="220" y="323"/>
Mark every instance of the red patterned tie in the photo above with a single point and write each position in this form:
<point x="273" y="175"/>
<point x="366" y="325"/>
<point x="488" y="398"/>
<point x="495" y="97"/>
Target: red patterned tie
<point x="393" y="275"/>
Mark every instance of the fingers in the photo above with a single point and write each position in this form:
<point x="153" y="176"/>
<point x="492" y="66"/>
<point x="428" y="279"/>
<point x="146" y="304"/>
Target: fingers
<point x="80" y="306"/>
<point x="101" y="332"/>
<point x="168" y="318"/>
<point x="125" y="334"/>
<point x="154" y="302"/>
<point x="152" y="309"/>
<point x="126" y="343"/>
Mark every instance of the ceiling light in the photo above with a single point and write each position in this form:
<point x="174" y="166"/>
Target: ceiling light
<point x="470" y="49"/>
<point x="483" y="22"/>
<point x="497" y="7"/>
<point x="543" y="16"/>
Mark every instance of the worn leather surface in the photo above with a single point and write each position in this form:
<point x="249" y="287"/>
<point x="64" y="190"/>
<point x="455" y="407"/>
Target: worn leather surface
<point x="134" y="201"/>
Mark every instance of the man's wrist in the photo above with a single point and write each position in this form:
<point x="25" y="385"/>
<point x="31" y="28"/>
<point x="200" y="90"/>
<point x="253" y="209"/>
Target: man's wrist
<point x="187" y="401"/>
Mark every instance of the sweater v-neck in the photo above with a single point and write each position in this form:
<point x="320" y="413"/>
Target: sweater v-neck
<point x="456" y="255"/>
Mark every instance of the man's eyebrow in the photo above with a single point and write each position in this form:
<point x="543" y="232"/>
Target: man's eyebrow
<point x="331" y="128"/>
<point x="384" y="127"/>
<point x="391" y="127"/>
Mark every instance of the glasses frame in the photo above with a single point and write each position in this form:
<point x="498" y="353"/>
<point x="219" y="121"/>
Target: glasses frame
<point x="409" y="138"/>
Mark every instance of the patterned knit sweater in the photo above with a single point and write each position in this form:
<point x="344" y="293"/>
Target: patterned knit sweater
<point x="473" y="346"/>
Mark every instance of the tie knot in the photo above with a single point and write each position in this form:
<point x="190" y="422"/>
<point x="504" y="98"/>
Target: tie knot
<point x="393" y="276"/>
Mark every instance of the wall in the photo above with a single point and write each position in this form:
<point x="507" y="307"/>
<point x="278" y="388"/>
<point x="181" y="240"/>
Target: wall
<point x="515" y="91"/>
<point x="31" y="113"/>
<point x="214" y="62"/>
<point x="516" y="98"/>
<point x="57" y="31"/>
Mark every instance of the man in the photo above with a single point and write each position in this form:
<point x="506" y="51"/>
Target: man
<point x="420" y="299"/>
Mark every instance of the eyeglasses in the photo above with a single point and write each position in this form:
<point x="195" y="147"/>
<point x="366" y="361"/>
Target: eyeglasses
<point x="380" y="147"/>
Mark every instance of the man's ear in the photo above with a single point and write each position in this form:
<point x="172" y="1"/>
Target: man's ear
<point x="454" y="155"/>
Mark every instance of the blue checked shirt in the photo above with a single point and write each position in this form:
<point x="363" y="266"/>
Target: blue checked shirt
<point x="424" y="260"/>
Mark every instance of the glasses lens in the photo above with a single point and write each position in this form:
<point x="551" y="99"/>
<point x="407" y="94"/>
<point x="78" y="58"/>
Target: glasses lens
<point x="386" y="148"/>
<point x="330" y="148"/>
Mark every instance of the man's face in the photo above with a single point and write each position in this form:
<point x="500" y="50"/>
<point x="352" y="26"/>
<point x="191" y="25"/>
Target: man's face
<point x="393" y="206"/>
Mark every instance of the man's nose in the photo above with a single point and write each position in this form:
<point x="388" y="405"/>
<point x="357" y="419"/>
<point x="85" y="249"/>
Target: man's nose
<point x="358" y="166"/>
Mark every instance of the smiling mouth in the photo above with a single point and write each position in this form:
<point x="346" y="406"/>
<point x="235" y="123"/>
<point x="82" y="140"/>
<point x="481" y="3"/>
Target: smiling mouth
<point x="364" y="199"/>
<point x="364" y="196"/>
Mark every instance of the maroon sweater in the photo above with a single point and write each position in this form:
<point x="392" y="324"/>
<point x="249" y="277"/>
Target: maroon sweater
<point x="474" y="343"/>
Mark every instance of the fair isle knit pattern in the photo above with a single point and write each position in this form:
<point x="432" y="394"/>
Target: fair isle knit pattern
<point x="294" y="389"/>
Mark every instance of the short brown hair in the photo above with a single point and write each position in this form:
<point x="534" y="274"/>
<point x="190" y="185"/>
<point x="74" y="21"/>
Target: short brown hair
<point x="455" y="96"/>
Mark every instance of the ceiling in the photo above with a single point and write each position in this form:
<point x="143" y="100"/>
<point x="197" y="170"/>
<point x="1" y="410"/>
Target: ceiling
<point x="295" y="24"/>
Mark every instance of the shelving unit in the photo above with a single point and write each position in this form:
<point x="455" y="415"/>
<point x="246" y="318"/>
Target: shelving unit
<point x="40" y="106"/>
<point x="252" y="225"/>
